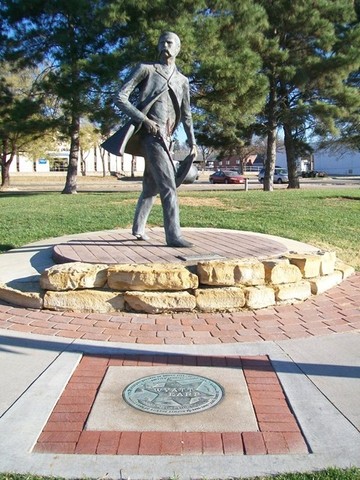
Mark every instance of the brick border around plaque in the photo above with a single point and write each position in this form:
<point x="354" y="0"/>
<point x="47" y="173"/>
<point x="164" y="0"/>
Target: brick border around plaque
<point x="278" y="430"/>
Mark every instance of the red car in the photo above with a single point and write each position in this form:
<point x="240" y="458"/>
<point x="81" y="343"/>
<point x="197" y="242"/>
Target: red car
<point x="222" y="176"/>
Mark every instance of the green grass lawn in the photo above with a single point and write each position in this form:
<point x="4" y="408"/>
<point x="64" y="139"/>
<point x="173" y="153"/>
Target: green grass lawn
<point x="326" y="218"/>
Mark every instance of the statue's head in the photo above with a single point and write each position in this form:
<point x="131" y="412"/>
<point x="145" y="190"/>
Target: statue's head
<point x="169" y="44"/>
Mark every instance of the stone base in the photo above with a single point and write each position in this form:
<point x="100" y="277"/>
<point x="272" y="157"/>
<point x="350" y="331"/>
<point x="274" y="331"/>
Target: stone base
<point x="226" y="285"/>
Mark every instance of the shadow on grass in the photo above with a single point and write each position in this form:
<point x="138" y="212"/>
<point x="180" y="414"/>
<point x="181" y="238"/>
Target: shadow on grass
<point x="344" y="197"/>
<point x="5" y="247"/>
<point x="130" y="179"/>
<point x="24" y="194"/>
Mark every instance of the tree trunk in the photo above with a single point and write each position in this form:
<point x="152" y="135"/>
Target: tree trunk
<point x="270" y="161"/>
<point x="109" y="162"/>
<point x="5" y="166"/>
<point x="5" y="175"/>
<point x="102" y="156"/>
<point x="271" y="139"/>
<point x="242" y="164"/>
<point x="71" y="177"/>
<point x="291" y="157"/>
<point x="82" y="163"/>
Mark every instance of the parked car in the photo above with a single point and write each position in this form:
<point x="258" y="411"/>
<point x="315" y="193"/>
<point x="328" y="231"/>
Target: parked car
<point x="313" y="174"/>
<point x="226" y="176"/>
<point x="280" y="175"/>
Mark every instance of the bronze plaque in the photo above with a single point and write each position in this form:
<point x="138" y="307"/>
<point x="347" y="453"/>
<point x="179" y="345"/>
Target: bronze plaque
<point x="173" y="394"/>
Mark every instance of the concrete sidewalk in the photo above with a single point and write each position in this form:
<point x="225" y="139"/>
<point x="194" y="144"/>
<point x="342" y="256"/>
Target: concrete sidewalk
<point x="319" y="375"/>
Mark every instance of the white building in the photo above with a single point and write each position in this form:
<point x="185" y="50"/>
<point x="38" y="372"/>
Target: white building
<point x="331" y="161"/>
<point x="94" y="161"/>
<point x="337" y="162"/>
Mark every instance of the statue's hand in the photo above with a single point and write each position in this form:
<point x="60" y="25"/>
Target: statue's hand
<point x="151" y="126"/>
<point x="193" y="151"/>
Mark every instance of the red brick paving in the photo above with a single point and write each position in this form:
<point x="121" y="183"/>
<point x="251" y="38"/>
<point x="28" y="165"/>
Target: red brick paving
<point x="278" y="431"/>
<point x="337" y="310"/>
<point x="121" y="247"/>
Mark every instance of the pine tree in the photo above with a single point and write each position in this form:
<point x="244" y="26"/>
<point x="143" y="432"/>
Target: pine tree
<point x="347" y="125"/>
<point x="71" y="36"/>
<point x="229" y="88"/>
<point x="314" y="47"/>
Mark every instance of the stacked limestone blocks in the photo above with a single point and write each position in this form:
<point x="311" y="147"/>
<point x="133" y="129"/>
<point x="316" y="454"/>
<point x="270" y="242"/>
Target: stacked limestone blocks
<point x="155" y="287"/>
<point x="219" y="285"/>
<point x="79" y="287"/>
<point x="254" y="284"/>
<point x="100" y="288"/>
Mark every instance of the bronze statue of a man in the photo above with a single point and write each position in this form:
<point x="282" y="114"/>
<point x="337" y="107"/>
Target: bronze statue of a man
<point x="163" y="102"/>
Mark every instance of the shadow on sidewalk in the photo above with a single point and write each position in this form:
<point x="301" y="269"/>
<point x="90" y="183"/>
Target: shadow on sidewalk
<point x="166" y="358"/>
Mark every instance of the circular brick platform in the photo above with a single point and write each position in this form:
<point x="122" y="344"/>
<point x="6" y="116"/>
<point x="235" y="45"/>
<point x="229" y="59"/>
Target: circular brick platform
<point x="337" y="310"/>
<point x="121" y="247"/>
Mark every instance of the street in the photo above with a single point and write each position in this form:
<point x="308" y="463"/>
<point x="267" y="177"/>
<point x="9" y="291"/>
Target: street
<point x="55" y="182"/>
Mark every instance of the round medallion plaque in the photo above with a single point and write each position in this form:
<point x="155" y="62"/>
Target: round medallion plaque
<point x="173" y="394"/>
